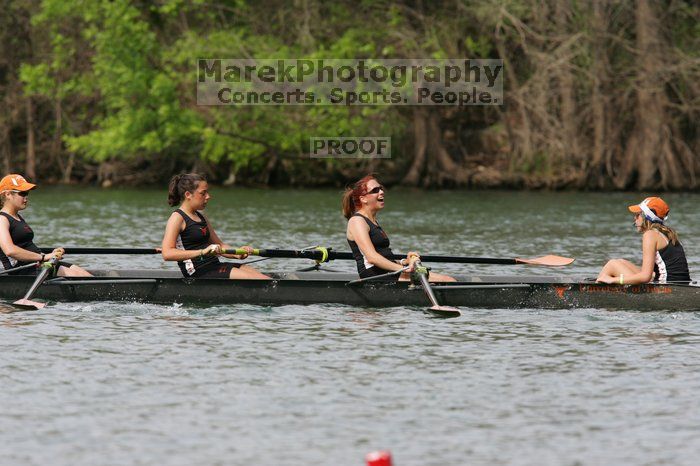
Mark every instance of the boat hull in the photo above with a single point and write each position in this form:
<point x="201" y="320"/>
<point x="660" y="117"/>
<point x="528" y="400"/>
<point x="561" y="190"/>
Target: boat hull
<point x="305" y="288"/>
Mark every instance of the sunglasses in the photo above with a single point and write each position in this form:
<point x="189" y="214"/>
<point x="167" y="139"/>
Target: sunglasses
<point x="21" y="193"/>
<point x="376" y="190"/>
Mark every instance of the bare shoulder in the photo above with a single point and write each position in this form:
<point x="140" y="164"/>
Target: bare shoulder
<point x="175" y="216"/>
<point x="357" y="221"/>
<point x="175" y="219"/>
<point x="653" y="237"/>
<point x="357" y="225"/>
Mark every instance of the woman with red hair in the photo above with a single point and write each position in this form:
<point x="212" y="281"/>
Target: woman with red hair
<point x="369" y="243"/>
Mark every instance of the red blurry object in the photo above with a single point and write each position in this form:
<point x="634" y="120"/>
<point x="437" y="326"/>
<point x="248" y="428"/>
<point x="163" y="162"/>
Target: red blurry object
<point x="378" y="458"/>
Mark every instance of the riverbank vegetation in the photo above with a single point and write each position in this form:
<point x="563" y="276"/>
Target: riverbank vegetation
<point x="598" y="94"/>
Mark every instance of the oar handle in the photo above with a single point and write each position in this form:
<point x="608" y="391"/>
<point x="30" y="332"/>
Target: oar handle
<point x="318" y="254"/>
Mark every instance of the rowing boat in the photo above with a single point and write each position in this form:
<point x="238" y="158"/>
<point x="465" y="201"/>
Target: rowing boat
<point x="509" y="292"/>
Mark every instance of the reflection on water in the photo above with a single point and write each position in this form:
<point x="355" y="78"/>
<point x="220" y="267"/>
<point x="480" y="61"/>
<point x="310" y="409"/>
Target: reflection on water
<point x="110" y="383"/>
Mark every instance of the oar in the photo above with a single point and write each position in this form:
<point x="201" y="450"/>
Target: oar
<point x="22" y="267"/>
<point x="377" y="277"/>
<point x="26" y="303"/>
<point x="422" y="272"/>
<point x="324" y="254"/>
<point x="126" y="251"/>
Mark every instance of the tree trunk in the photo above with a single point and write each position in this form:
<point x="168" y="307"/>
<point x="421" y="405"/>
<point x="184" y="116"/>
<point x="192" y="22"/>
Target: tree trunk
<point x="649" y="156"/>
<point x="68" y="170"/>
<point x="449" y="170"/>
<point x="420" y="146"/>
<point x="515" y="117"/>
<point x="264" y="177"/>
<point x="570" y="150"/>
<point x="30" y="167"/>
<point x="56" y="141"/>
<point x="6" y="148"/>
<point x="596" y="167"/>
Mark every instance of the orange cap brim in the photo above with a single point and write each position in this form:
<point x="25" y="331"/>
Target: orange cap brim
<point x="635" y="209"/>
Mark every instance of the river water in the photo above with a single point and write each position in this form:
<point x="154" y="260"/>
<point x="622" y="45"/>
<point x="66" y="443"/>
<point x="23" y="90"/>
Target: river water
<point x="138" y="384"/>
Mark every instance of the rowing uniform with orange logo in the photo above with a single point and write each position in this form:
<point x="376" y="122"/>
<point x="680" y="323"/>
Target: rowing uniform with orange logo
<point x="195" y="236"/>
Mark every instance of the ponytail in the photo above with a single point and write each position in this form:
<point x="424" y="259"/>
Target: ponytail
<point x="348" y="203"/>
<point x="180" y="184"/>
<point x="351" y="197"/>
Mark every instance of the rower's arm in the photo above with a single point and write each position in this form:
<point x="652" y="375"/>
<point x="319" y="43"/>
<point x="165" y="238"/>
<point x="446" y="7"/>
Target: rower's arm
<point x="360" y="234"/>
<point x="646" y="273"/>
<point x="172" y="230"/>
<point x="10" y="248"/>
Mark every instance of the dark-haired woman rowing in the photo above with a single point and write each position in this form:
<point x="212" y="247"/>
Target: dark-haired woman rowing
<point x="663" y="257"/>
<point x="190" y="239"/>
<point x="369" y="243"/>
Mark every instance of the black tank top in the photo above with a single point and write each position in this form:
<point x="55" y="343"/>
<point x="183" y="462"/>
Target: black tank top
<point x="23" y="236"/>
<point x="381" y="244"/>
<point x="195" y="236"/>
<point x="670" y="264"/>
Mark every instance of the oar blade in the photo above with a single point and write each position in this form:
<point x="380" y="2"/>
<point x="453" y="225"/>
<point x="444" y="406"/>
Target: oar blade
<point x="28" y="304"/>
<point x="549" y="260"/>
<point x="445" y="311"/>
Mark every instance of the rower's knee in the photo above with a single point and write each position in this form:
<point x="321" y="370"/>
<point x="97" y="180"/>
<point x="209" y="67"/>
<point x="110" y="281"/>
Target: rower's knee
<point x="247" y="272"/>
<point x="612" y="264"/>
<point x="75" y="271"/>
<point x="438" y="277"/>
<point x="447" y="278"/>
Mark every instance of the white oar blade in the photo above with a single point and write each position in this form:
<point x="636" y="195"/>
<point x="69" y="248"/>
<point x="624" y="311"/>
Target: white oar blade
<point x="547" y="260"/>
<point x="28" y="304"/>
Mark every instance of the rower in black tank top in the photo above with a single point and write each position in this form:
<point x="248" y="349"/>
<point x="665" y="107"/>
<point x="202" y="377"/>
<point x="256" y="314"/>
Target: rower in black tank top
<point x="22" y="236"/>
<point x="195" y="236"/>
<point x="381" y="244"/>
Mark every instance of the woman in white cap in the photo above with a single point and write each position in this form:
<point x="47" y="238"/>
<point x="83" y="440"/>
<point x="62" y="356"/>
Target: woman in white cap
<point x="17" y="246"/>
<point x="663" y="257"/>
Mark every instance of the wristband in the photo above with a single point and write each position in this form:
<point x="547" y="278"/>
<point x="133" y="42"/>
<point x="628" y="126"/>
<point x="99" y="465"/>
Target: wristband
<point x="622" y="279"/>
<point x="403" y="262"/>
<point x="201" y="253"/>
<point x="42" y="257"/>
